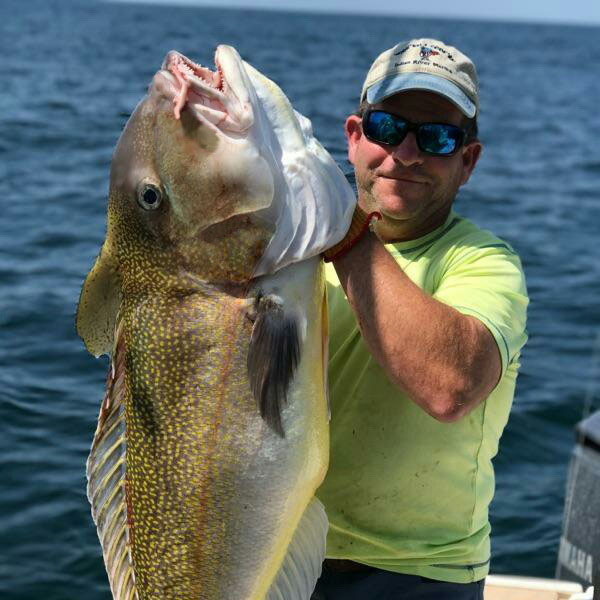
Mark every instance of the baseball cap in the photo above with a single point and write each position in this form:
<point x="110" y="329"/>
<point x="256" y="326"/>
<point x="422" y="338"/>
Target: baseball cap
<point x="424" y="64"/>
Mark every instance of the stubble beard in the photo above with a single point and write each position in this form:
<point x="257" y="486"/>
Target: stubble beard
<point x="410" y="225"/>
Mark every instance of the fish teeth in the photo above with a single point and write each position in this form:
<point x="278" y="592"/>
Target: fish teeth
<point x="187" y="68"/>
<point x="222" y="81"/>
<point x="208" y="88"/>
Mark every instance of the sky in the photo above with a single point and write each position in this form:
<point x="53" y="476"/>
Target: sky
<point x="543" y="11"/>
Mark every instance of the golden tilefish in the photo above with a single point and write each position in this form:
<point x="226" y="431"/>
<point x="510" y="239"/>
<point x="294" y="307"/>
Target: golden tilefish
<point x="208" y="296"/>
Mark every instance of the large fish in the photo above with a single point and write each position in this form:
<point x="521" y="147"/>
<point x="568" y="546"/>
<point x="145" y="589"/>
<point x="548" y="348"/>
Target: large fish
<point x="208" y="295"/>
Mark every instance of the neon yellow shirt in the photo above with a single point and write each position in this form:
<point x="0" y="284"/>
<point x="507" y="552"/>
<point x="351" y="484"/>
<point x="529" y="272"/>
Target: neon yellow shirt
<point x="405" y="492"/>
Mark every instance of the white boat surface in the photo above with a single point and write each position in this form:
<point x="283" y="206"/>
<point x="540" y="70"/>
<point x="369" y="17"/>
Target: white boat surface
<point x="511" y="587"/>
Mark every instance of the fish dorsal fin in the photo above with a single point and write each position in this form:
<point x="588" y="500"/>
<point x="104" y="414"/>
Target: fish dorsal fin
<point x="99" y="304"/>
<point x="301" y="566"/>
<point x="273" y="356"/>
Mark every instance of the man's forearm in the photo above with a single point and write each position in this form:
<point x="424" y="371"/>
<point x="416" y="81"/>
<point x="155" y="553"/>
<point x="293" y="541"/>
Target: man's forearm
<point x="445" y="361"/>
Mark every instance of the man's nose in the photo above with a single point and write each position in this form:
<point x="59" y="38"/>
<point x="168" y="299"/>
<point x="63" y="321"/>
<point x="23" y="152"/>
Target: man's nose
<point x="407" y="153"/>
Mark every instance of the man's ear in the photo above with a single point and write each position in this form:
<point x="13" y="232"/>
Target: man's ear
<point x="470" y="155"/>
<point x="353" y="131"/>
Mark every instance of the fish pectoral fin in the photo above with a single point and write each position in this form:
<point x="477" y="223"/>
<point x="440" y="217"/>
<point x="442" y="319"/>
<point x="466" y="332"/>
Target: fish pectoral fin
<point x="273" y="356"/>
<point x="99" y="304"/>
<point x="301" y="566"/>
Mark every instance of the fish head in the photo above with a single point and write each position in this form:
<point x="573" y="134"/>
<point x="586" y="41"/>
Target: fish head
<point x="187" y="178"/>
<point x="215" y="173"/>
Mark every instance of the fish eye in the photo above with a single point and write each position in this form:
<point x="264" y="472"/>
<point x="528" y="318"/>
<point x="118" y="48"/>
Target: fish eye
<point x="149" y="197"/>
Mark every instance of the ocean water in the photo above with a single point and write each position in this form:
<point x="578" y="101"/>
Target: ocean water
<point x="71" y="72"/>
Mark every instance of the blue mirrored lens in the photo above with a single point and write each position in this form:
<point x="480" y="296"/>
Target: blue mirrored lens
<point x="439" y="139"/>
<point x="385" y="128"/>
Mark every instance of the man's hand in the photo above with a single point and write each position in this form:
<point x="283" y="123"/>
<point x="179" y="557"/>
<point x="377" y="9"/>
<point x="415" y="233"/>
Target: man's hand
<point x="360" y="224"/>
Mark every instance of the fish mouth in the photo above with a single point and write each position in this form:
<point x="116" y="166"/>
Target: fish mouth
<point x="217" y="97"/>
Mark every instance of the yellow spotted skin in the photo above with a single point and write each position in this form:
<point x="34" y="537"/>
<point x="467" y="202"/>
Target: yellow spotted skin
<point x="194" y="495"/>
<point x="189" y="414"/>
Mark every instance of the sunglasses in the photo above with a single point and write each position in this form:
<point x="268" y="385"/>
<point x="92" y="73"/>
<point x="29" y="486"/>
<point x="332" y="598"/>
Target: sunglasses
<point x="436" y="139"/>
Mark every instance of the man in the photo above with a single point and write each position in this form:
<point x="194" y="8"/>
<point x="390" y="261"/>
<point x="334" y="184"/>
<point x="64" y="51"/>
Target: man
<point x="427" y="322"/>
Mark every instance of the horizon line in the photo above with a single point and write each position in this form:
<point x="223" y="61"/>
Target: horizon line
<point x="357" y="12"/>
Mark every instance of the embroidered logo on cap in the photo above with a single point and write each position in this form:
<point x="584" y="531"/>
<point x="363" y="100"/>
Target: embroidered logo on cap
<point x="426" y="52"/>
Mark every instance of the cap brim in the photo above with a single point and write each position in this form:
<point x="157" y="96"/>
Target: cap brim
<point x="402" y="82"/>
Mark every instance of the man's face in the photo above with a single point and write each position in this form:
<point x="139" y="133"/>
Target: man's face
<point x="412" y="190"/>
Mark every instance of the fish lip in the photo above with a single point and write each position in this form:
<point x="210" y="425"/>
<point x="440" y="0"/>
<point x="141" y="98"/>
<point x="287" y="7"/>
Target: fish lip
<point x="216" y="97"/>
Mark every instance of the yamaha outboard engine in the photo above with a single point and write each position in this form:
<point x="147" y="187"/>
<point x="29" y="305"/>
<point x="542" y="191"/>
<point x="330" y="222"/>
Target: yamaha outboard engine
<point x="579" y="554"/>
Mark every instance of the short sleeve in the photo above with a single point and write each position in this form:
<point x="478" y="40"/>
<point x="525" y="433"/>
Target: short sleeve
<point x="488" y="283"/>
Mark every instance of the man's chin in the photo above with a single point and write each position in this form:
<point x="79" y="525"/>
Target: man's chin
<point x="398" y="206"/>
<point x="395" y="209"/>
<point x="397" y="215"/>
<point x="401" y="212"/>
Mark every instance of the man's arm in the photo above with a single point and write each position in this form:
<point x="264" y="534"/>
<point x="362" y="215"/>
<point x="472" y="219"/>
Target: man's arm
<point x="445" y="361"/>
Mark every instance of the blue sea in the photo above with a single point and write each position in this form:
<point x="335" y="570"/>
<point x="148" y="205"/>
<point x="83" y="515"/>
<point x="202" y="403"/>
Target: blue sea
<point x="71" y="73"/>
